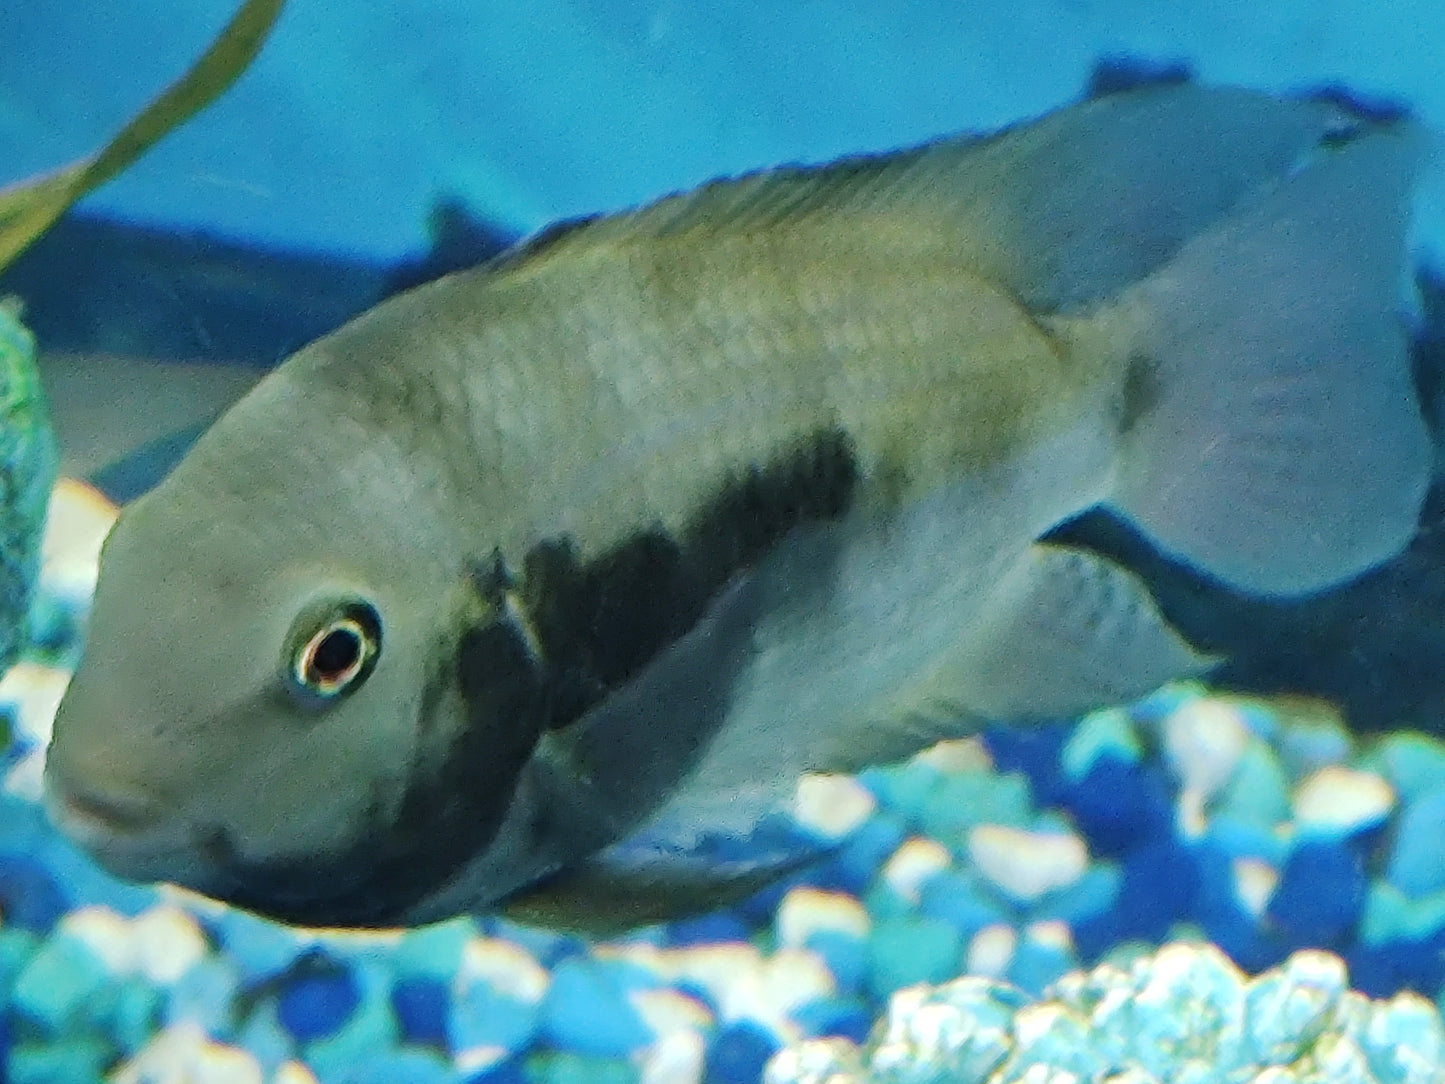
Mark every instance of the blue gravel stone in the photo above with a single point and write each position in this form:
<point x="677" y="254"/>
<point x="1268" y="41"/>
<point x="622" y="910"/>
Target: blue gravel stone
<point x="707" y="930"/>
<point x="587" y="1010"/>
<point x="482" y="1016"/>
<point x="371" y="1027"/>
<point x="509" y="1071"/>
<point x="954" y="897"/>
<point x="1037" y="752"/>
<point x="1413" y="763"/>
<point x="1036" y="964"/>
<point x="863" y="854"/>
<point x="845" y="955"/>
<point x="563" y="1067"/>
<point x="317" y="1001"/>
<point x="960" y="802"/>
<point x="16" y="948"/>
<point x="260" y="950"/>
<point x="1159" y="886"/>
<point x="30" y="898"/>
<point x="1384" y="970"/>
<point x="1417" y="863"/>
<point x="205" y="994"/>
<point x="53" y="987"/>
<point x="393" y="1067"/>
<point x="844" y="1017"/>
<point x="420" y="1005"/>
<point x="912" y="949"/>
<point x="1321" y="894"/>
<point x="1118" y="806"/>
<point x="902" y="789"/>
<point x="1091" y="895"/>
<point x="1241" y="838"/>
<point x="1108" y="733"/>
<point x="263" y="1035"/>
<point x="433" y="952"/>
<point x="134" y="1013"/>
<point x="738" y="1053"/>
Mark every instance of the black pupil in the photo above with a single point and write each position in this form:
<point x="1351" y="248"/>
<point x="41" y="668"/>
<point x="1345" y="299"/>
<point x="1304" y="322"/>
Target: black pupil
<point x="337" y="653"/>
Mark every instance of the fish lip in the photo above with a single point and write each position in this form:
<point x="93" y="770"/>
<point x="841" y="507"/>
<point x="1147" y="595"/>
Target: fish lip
<point x="96" y="818"/>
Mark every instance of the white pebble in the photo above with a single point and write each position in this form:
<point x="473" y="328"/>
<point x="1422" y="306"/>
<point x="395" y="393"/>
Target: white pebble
<point x="992" y="950"/>
<point x="76" y="524"/>
<point x="1053" y="933"/>
<point x="958" y="756"/>
<point x="106" y="933"/>
<point x="293" y="1072"/>
<point x="665" y="1011"/>
<point x="184" y="1054"/>
<point x="1337" y="799"/>
<point x="35" y="691"/>
<point x="1254" y="883"/>
<point x="168" y="943"/>
<point x="913" y="863"/>
<point x="1204" y="740"/>
<point x="832" y="805"/>
<point x="792" y="977"/>
<point x="678" y="1057"/>
<point x="1025" y="864"/>
<point x="508" y="968"/>
<point x="805" y="911"/>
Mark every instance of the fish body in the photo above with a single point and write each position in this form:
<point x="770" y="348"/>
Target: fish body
<point x="609" y="540"/>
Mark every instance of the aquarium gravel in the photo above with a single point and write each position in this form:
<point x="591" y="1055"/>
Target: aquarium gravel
<point x="1015" y="858"/>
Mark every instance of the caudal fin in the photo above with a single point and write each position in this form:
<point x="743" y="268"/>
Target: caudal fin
<point x="1271" y="431"/>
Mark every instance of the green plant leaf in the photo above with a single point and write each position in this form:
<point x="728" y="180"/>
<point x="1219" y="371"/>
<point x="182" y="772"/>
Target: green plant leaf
<point x="28" y="208"/>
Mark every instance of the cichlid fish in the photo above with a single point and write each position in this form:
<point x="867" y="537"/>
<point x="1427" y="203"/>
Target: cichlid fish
<point x="522" y="586"/>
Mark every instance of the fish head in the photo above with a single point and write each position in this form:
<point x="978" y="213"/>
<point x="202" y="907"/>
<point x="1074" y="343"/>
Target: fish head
<point x="268" y="709"/>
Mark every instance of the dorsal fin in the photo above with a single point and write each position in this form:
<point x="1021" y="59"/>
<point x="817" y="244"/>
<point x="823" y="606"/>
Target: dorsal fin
<point x="1063" y="211"/>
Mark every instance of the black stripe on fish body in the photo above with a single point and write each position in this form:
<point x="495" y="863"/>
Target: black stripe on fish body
<point x="600" y="623"/>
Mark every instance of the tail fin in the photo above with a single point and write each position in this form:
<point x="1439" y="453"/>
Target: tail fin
<point x="1271" y="432"/>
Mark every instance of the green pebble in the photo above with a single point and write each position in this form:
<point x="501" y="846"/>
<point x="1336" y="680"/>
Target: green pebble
<point x="78" y="1061"/>
<point x="884" y="903"/>
<point x="54" y="986"/>
<point x="958" y="803"/>
<point x="16" y="948"/>
<point x="1258" y="791"/>
<point x="134" y="1013"/>
<point x="433" y="952"/>
<point x="565" y="1068"/>
<point x="1412" y="762"/>
<point x="1386" y="914"/>
<point x="1107" y="733"/>
<point x="905" y="788"/>
<point x="904" y="951"/>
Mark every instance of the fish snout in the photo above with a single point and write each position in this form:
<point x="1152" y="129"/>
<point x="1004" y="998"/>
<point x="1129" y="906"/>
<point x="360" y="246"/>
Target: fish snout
<point x="85" y="814"/>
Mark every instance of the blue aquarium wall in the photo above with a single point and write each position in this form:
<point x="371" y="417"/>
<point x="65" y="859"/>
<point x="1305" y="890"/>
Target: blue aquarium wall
<point x="364" y="138"/>
<point x="357" y="118"/>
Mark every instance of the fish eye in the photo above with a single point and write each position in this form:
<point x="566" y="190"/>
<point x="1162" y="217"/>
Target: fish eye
<point x="333" y="650"/>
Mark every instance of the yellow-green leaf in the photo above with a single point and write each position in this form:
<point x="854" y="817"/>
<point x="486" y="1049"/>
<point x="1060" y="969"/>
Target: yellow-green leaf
<point x="27" y="209"/>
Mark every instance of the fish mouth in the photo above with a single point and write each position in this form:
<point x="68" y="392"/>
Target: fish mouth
<point x="98" y="819"/>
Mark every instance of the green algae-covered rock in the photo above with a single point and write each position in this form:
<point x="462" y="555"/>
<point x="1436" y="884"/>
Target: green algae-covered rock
<point x="27" y="473"/>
